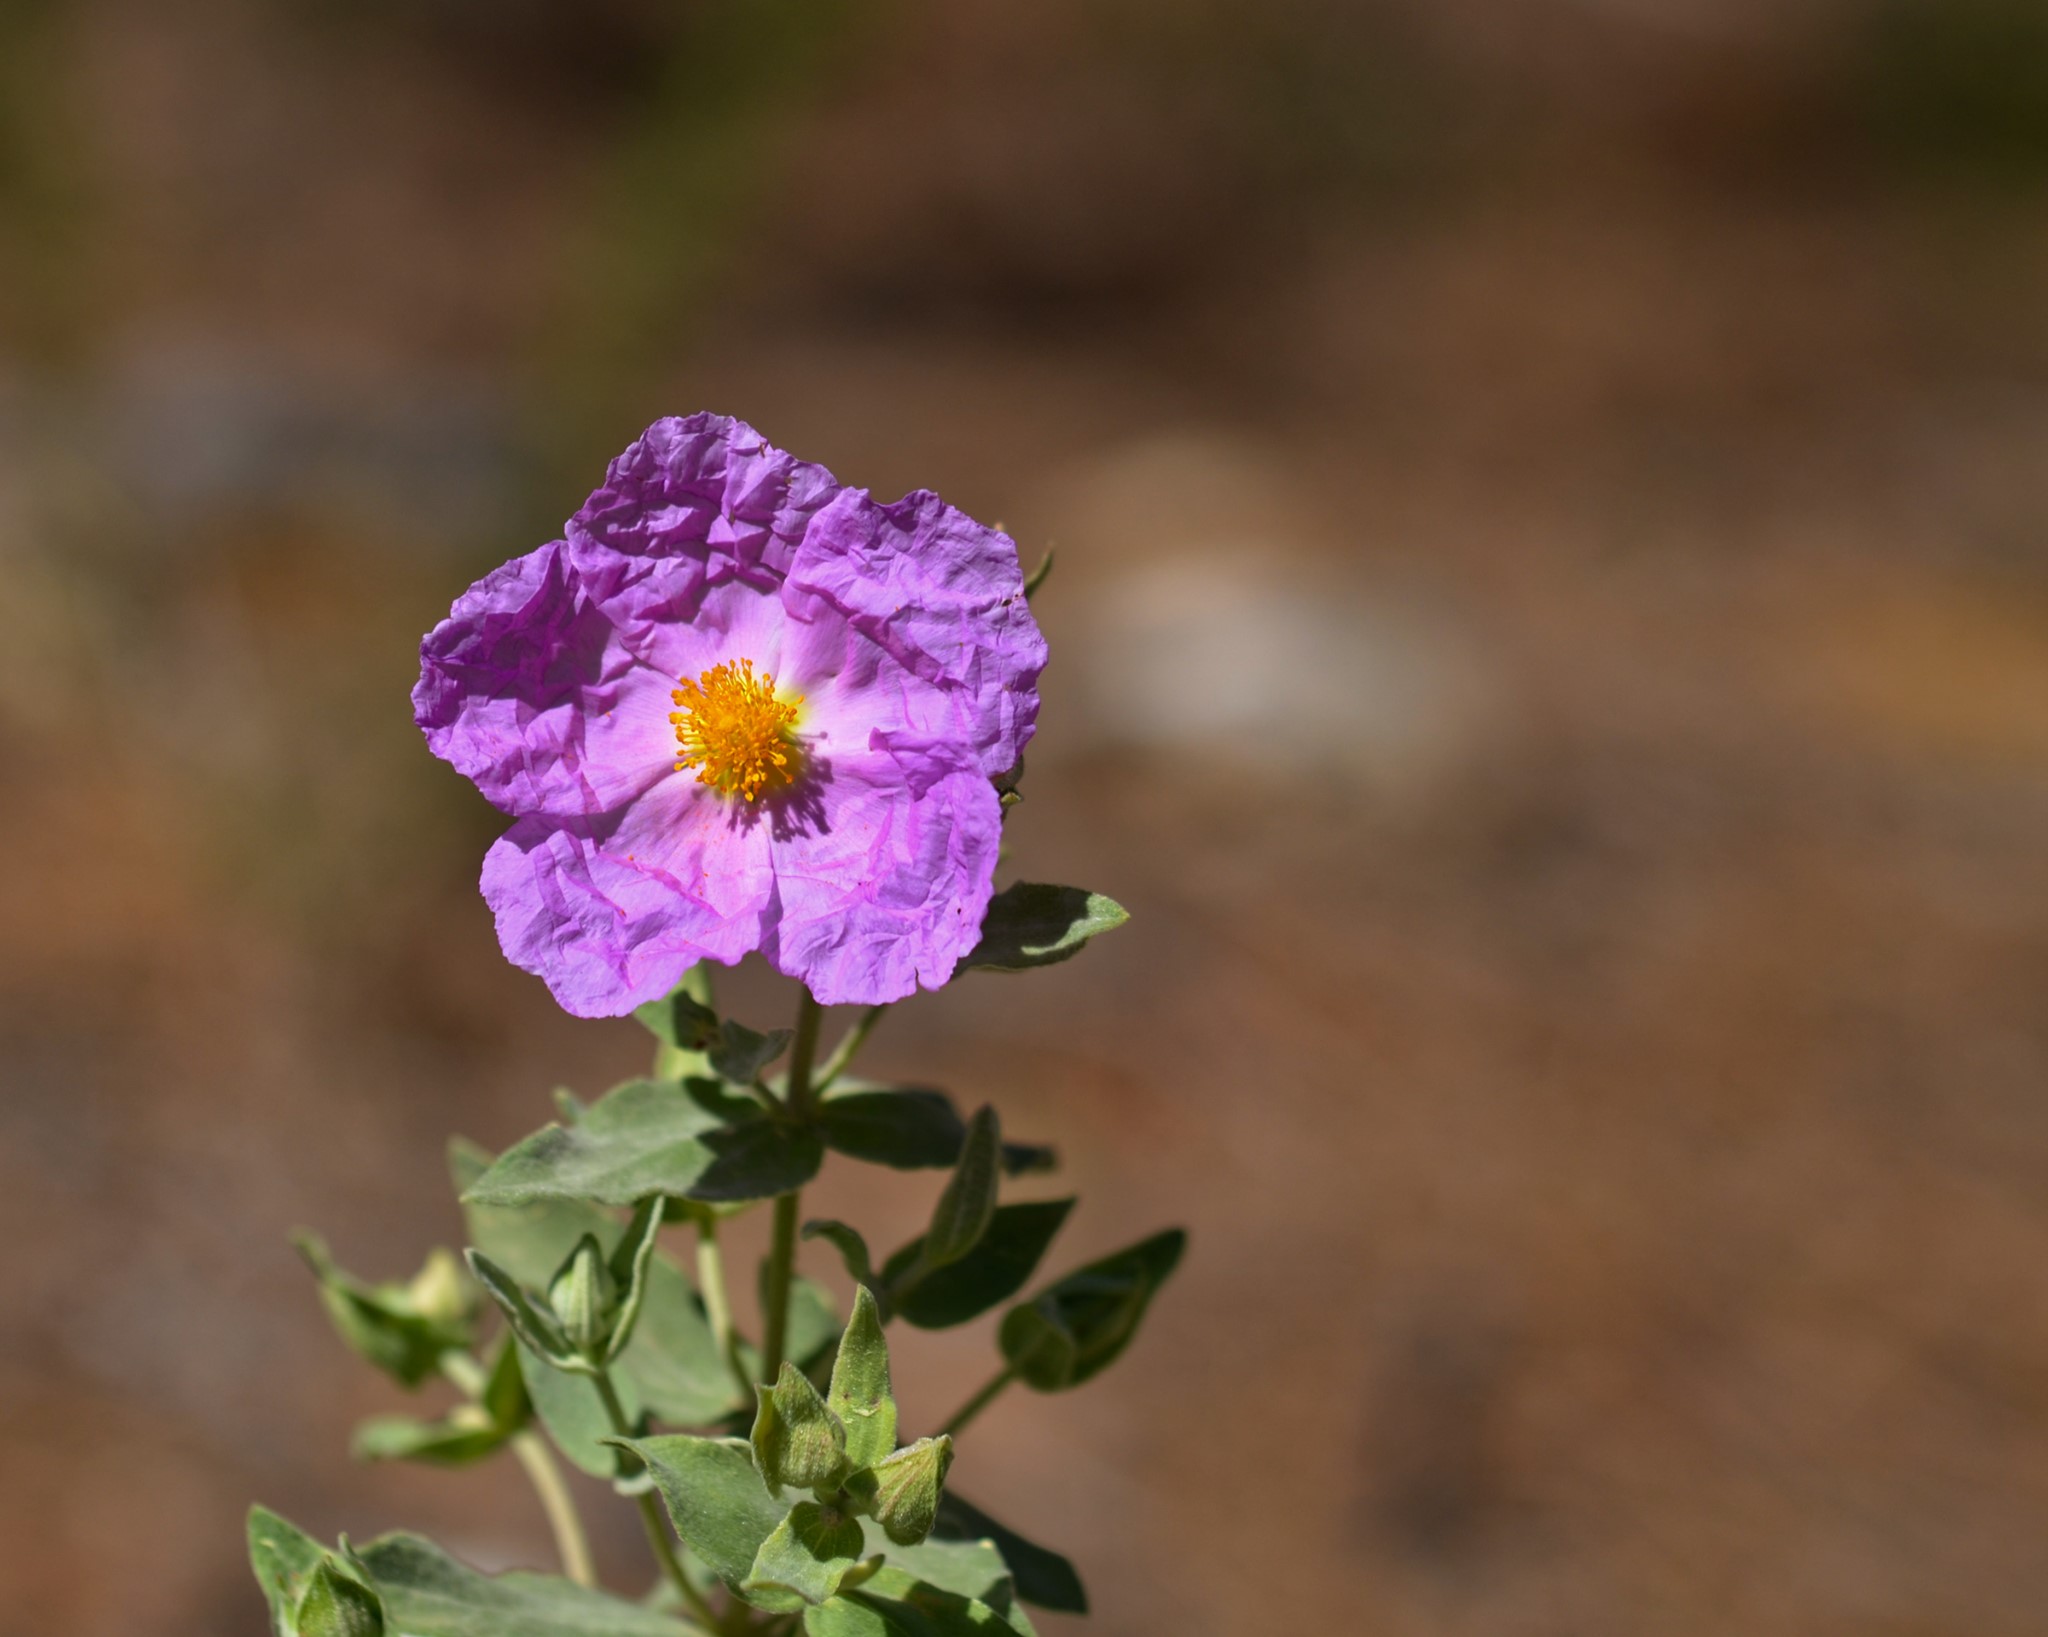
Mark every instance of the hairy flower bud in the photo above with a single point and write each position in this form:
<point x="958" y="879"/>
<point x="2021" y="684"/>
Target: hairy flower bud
<point x="337" y="1605"/>
<point x="585" y="1297"/>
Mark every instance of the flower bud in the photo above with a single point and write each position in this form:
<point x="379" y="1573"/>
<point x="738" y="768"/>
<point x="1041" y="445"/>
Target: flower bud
<point x="441" y="1292"/>
<point x="585" y="1297"/>
<point x="337" y="1605"/>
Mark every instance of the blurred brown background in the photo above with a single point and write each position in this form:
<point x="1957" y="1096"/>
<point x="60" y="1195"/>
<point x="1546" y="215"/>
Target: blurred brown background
<point x="1551" y="643"/>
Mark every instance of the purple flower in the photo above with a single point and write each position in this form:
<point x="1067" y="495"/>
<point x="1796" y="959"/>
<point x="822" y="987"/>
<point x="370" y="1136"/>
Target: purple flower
<point x="739" y="706"/>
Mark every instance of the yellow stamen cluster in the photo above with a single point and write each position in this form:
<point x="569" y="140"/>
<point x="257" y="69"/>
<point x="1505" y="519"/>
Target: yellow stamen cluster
<point x="734" y="731"/>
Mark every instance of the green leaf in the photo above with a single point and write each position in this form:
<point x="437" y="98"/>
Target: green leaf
<point x="631" y="1260"/>
<point x="994" y="1271"/>
<point x="859" y="1395"/>
<point x="464" y="1435"/>
<point x="1042" y="1575"/>
<point x="535" y="1328"/>
<point x="427" y="1593"/>
<point x="895" y="1603"/>
<point x="909" y="1128"/>
<point x="336" y="1604"/>
<point x="573" y="1413"/>
<point x="402" y="1329"/>
<point x="962" y="1214"/>
<point x="1033" y="924"/>
<point x="283" y="1559"/>
<point x="739" y="1054"/>
<point x="654" y="1137"/>
<point x="972" y="1568"/>
<point x="808" y="1555"/>
<point x="715" y="1498"/>
<point x="907" y="1487"/>
<point x="673" y="1360"/>
<point x="1075" y="1328"/>
<point x="853" y="1249"/>
<point x="504" y="1397"/>
<point x="679" y="1020"/>
<point x="797" y="1441"/>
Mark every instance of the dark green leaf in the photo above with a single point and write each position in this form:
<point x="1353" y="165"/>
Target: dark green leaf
<point x="1033" y="924"/>
<point x="402" y="1329"/>
<point x="797" y="1441"/>
<point x="428" y="1594"/>
<point x="283" y="1559"/>
<point x="1075" y="1328"/>
<point x="859" y="1394"/>
<point x="465" y="1434"/>
<point x="1042" y="1575"/>
<point x="962" y="1214"/>
<point x="909" y="1128"/>
<point x="807" y="1555"/>
<point x="853" y="1250"/>
<point x="679" y="1020"/>
<point x="715" y="1497"/>
<point x="653" y="1137"/>
<point x="504" y="1397"/>
<point x="994" y="1271"/>
<point x="907" y="1486"/>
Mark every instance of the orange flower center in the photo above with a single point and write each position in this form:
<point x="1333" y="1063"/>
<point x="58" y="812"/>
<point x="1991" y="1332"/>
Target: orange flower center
<point x="735" y="732"/>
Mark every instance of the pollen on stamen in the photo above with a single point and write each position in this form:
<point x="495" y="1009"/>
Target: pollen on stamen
<point x="735" y="732"/>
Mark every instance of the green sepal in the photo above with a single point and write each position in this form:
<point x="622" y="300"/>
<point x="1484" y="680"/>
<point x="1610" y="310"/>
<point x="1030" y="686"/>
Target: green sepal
<point x="995" y="1270"/>
<point x="715" y="1498"/>
<point x="402" y="1329"/>
<point x="907" y="1489"/>
<point x="692" y="1138"/>
<point x="427" y="1593"/>
<point x="1036" y="924"/>
<point x="337" y="1604"/>
<point x="1039" y="575"/>
<point x="909" y="1128"/>
<point x="852" y="1248"/>
<point x="631" y="1267"/>
<point x="859" y="1395"/>
<point x="896" y="1603"/>
<point x="1042" y="1576"/>
<point x="1074" y="1329"/>
<point x="536" y="1328"/>
<point x="798" y="1442"/>
<point x="805" y="1559"/>
<point x="283" y="1559"/>
<point x="464" y="1435"/>
<point x="739" y="1054"/>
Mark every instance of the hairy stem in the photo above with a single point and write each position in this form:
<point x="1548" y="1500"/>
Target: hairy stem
<point x="849" y="1046"/>
<point x="782" y="1250"/>
<point x="651" y="1517"/>
<point x="572" y="1546"/>
<point x="989" y="1393"/>
<point x="717" y="1307"/>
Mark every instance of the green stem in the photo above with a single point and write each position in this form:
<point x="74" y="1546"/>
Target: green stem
<point x="775" y="1288"/>
<point x="980" y="1401"/>
<point x="803" y="1053"/>
<point x="850" y="1043"/>
<point x="651" y="1517"/>
<point x="717" y="1307"/>
<point x="572" y="1546"/>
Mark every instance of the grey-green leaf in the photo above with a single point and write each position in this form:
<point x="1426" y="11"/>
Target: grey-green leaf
<point x="1042" y="1576"/>
<point x="574" y="1414"/>
<point x="860" y="1394"/>
<point x="1078" y="1326"/>
<point x="283" y="1559"/>
<point x="907" y="1488"/>
<point x="1035" y="924"/>
<point x="715" y="1497"/>
<point x="535" y="1329"/>
<point x="808" y="1554"/>
<point x="427" y="1593"/>
<point x="968" y="1201"/>
<point x="994" y="1271"/>
<point x="464" y="1435"/>
<point x="655" y="1137"/>
<point x="798" y="1442"/>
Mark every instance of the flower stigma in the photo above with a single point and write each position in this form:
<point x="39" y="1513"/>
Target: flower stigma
<point x="735" y="732"/>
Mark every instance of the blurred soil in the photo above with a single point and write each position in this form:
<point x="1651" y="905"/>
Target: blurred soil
<point x="1551" y="644"/>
